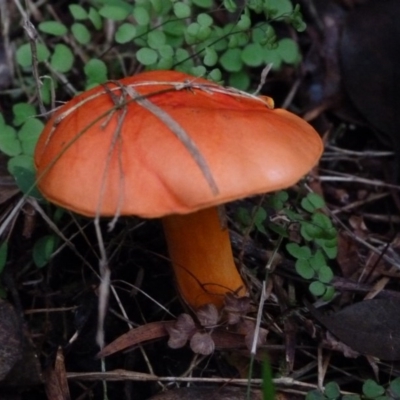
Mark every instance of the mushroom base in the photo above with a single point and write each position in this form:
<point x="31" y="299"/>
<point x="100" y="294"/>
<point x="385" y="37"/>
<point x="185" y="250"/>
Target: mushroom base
<point x="201" y="255"/>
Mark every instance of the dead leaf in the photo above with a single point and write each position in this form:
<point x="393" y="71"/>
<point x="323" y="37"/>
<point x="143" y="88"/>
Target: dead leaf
<point x="236" y="307"/>
<point x="207" y="315"/>
<point x="10" y="338"/>
<point x="156" y="330"/>
<point x="56" y="383"/>
<point x="202" y="343"/>
<point x="370" y="327"/>
<point x="181" y="331"/>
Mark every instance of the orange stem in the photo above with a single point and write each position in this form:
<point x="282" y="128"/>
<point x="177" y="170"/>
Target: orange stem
<point x="202" y="258"/>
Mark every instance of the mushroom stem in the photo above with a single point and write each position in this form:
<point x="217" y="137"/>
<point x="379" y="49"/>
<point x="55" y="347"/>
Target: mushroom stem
<point x="201" y="255"/>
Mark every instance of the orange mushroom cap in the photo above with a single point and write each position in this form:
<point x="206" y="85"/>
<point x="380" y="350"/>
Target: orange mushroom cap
<point x="97" y="157"/>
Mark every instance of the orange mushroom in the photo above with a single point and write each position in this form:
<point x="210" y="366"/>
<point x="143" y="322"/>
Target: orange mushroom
<point x="115" y="150"/>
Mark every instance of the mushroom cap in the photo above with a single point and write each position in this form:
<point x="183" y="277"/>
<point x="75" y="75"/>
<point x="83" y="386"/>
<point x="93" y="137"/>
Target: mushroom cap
<point x="98" y="158"/>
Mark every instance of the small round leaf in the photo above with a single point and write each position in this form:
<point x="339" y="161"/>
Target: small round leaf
<point x="303" y="268"/>
<point x="325" y="274"/>
<point x="210" y="57"/>
<point x="95" y="18"/>
<point x="141" y="15"/>
<point x="22" y="111"/>
<point x="371" y="389"/>
<point x="24" y="54"/>
<point x="182" y="10"/>
<point x="62" y="58"/>
<point x="252" y="55"/>
<point x="29" y="134"/>
<point x="53" y="28"/>
<point x="81" y="33"/>
<point x="204" y="20"/>
<point x="96" y="71"/>
<point x="77" y="12"/>
<point x="156" y="39"/>
<point x="317" y="288"/>
<point x="114" y="13"/>
<point x="231" y="60"/>
<point x="43" y="250"/>
<point x="9" y="143"/>
<point x="125" y="33"/>
<point x="146" y="56"/>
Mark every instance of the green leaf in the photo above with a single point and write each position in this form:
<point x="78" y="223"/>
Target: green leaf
<point x="24" y="54"/>
<point x="48" y="85"/>
<point x="95" y="18"/>
<point x="259" y="219"/>
<point x="394" y="387"/>
<point x="81" y="33"/>
<point x="231" y="60"/>
<point x="331" y="252"/>
<point x="147" y="56"/>
<point x="77" y="12"/>
<point x="62" y="58"/>
<point x="288" y="51"/>
<point x="174" y="28"/>
<point x="115" y="13"/>
<point x="29" y="134"/>
<point x="156" y="39"/>
<point x="303" y="268"/>
<point x="371" y="389"/>
<point x="43" y="250"/>
<point x="95" y="71"/>
<point x="244" y="22"/>
<point x="299" y="252"/>
<point x="272" y="57"/>
<point x="210" y="57"/>
<point x="239" y="80"/>
<point x="182" y="10"/>
<point x="204" y="20"/>
<point x="165" y="63"/>
<point x="293" y="216"/>
<point x="325" y="274"/>
<point x="328" y="295"/>
<point x="317" y="289"/>
<point x="199" y="70"/>
<point x="215" y="75"/>
<point x="22" y="112"/>
<point x="311" y="231"/>
<point x="193" y="29"/>
<point x="182" y="55"/>
<point x="203" y="3"/>
<point x="351" y="397"/>
<point x="277" y="200"/>
<point x="312" y="202"/>
<point x="53" y="28"/>
<point x="278" y="8"/>
<point x="161" y="7"/>
<point x="141" y="15"/>
<point x="315" y="395"/>
<point x="166" y="51"/>
<point x="322" y="220"/>
<point x="230" y="5"/>
<point x="279" y="229"/>
<point x="9" y="143"/>
<point x="22" y="169"/>
<point x="332" y="390"/>
<point x="125" y="33"/>
<point x="252" y="55"/>
<point x="3" y="256"/>
<point x="317" y="260"/>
